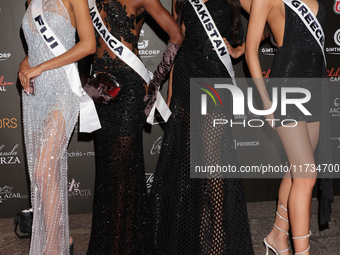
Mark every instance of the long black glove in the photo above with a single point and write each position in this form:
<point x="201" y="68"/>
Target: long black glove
<point x="162" y="69"/>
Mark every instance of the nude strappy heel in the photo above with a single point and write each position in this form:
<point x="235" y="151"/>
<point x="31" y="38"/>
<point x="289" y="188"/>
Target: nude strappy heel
<point x="302" y="237"/>
<point x="268" y="246"/>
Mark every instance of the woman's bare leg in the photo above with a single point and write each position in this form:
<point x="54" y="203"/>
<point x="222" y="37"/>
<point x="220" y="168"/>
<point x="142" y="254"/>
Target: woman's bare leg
<point x="299" y="143"/>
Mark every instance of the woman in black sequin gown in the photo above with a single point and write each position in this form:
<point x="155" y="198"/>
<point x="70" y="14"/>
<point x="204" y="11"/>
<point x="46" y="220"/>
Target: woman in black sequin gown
<point x="298" y="56"/>
<point x="121" y="212"/>
<point x="198" y="216"/>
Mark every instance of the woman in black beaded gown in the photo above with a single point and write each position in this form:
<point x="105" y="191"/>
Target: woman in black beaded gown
<point x="121" y="212"/>
<point x="298" y="56"/>
<point x="199" y="216"/>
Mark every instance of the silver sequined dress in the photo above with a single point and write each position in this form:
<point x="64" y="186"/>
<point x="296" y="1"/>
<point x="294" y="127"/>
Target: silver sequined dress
<point x="49" y="117"/>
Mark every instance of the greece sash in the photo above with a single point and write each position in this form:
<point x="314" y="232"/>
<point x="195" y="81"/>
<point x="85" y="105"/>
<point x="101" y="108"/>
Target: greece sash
<point x="125" y="54"/>
<point x="214" y="35"/>
<point x="89" y="120"/>
<point x="310" y="21"/>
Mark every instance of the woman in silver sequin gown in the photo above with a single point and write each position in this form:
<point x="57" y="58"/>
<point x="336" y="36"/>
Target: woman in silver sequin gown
<point x="49" y="117"/>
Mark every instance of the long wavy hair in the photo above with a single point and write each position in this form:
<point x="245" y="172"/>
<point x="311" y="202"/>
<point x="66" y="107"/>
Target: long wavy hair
<point x="234" y="16"/>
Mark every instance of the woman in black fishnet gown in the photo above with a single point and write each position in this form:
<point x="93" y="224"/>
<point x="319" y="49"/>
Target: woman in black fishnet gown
<point x="198" y="216"/>
<point x="122" y="220"/>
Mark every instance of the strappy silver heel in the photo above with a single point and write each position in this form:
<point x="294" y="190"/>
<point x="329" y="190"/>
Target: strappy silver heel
<point x="268" y="246"/>
<point x="302" y="237"/>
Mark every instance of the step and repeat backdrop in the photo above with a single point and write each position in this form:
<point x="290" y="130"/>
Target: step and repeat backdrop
<point x="253" y="146"/>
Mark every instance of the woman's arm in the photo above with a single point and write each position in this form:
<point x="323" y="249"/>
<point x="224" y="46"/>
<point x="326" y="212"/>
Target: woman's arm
<point x="164" y="20"/>
<point x="79" y="12"/>
<point x="257" y="20"/>
<point x="259" y="12"/>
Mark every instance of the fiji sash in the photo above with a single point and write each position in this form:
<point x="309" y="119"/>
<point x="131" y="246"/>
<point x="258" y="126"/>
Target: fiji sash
<point x="310" y="21"/>
<point x="214" y="35"/>
<point x="89" y="120"/>
<point x="125" y="54"/>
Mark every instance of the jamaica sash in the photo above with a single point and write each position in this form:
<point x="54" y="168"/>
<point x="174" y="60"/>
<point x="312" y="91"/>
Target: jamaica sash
<point x="125" y="54"/>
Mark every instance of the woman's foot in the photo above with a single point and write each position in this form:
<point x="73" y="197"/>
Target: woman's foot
<point x="278" y="240"/>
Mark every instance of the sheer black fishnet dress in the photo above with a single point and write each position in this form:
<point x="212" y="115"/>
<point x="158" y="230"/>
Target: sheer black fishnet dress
<point x="197" y="216"/>
<point x="121" y="211"/>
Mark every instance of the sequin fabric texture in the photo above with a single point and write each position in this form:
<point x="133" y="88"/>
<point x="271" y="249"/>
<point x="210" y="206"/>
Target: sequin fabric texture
<point x="299" y="56"/>
<point x="198" y="216"/>
<point x="49" y="117"/>
<point x="121" y="211"/>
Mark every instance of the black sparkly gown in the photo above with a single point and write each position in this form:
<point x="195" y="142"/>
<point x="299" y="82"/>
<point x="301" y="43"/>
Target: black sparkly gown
<point x="121" y="212"/>
<point x="301" y="57"/>
<point x="197" y="216"/>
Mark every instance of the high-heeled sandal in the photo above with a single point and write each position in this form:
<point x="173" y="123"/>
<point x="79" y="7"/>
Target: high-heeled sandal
<point x="302" y="237"/>
<point x="70" y="248"/>
<point x="268" y="246"/>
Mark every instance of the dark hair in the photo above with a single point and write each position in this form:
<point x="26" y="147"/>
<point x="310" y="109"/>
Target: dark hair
<point x="234" y="16"/>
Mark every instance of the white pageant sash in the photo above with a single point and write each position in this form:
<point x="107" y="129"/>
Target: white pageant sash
<point x="214" y="35"/>
<point x="125" y="54"/>
<point x="89" y="120"/>
<point x="310" y="21"/>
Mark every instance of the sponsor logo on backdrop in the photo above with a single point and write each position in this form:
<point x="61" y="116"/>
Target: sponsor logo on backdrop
<point x="8" y="123"/>
<point x="337" y="139"/>
<point x="4" y="56"/>
<point x="336" y="6"/>
<point x="143" y="44"/>
<point x="6" y="193"/>
<point x="4" y="83"/>
<point x="76" y="154"/>
<point x="156" y="146"/>
<point x="143" y="50"/>
<point x="334" y="74"/>
<point x="337" y="37"/>
<point x="9" y="156"/>
<point x="335" y="110"/>
<point x="246" y="143"/>
<point x="74" y="191"/>
<point x="265" y="74"/>
<point x="335" y="50"/>
<point x="149" y="180"/>
<point x="270" y="51"/>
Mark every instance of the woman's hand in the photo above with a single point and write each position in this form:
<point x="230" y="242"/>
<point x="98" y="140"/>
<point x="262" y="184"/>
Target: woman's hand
<point x="235" y="52"/>
<point x="26" y="74"/>
<point x="270" y="117"/>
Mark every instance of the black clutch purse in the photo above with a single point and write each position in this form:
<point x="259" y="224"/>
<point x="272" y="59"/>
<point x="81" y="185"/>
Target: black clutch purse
<point x="102" y="87"/>
<point x="24" y="220"/>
